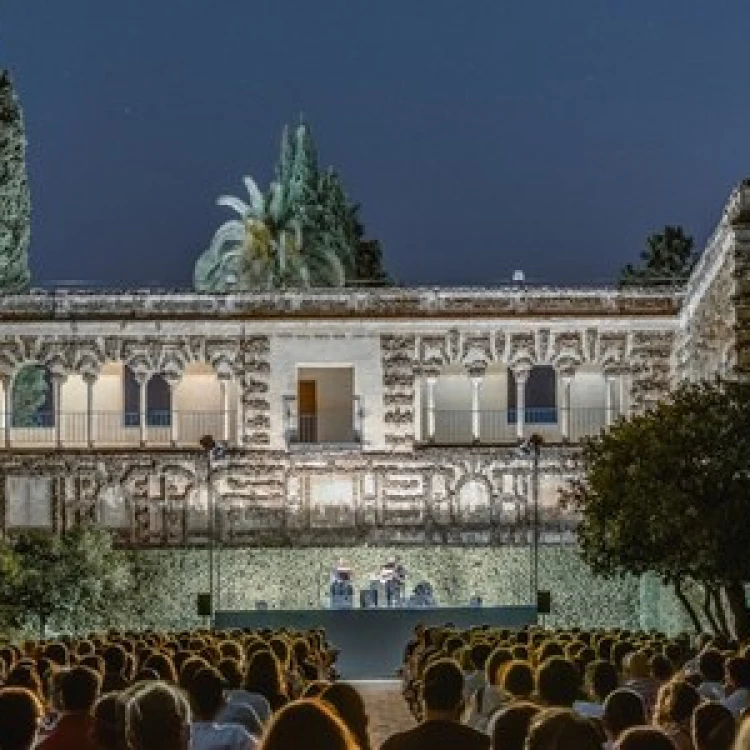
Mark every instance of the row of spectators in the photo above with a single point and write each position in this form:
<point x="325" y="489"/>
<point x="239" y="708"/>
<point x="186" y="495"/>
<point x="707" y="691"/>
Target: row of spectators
<point x="153" y="691"/>
<point x="577" y="689"/>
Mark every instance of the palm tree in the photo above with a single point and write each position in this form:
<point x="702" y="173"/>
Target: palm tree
<point x="264" y="248"/>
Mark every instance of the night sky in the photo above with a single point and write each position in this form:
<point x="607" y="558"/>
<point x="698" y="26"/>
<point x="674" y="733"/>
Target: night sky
<point x="480" y="136"/>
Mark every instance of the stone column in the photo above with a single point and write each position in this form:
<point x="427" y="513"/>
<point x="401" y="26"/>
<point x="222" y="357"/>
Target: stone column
<point x="142" y="379"/>
<point x="521" y="377"/>
<point x="7" y="381"/>
<point x="174" y="416"/>
<point x="431" y="380"/>
<point x="624" y="401"/>
<point x="609" y="398"/>
<point x="57" y="383"/>
<point x="566" y="379"/>
<point x="89" y="379"/>
<point x="225" y="417"/>
<point x="476" y="417"/>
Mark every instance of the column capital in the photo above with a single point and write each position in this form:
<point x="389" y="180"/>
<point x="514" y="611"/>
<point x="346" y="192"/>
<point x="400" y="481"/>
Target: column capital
<point x="521" y="372"/>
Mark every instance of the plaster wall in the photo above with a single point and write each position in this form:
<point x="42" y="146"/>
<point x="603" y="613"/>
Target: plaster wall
<point x="361" y="354"/>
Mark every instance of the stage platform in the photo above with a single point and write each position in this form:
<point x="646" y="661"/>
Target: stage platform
<point x="372" y="641"/>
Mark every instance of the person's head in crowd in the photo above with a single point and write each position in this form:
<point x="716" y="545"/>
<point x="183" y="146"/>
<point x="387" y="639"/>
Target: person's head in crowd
<point x="601" y="680"/>
<point x="557" y="682"/>
<point x="442" y="690"/>
<point x="711" y="665"/>
<point x="561" y="729"/>
<point x="189" y="668"/>
<point x="550" y="649"/>
<point x="78" y="689"/>
<point x="510" y="726"/>
<point x="712" y="727"/>
<point x="518" y="680"/>
<point x="676" y="701"/>
<point x="57" y="652"/>
<point x="350" y="708"/>
<point x="636" y="666"/>
<point x="263" y="675"/>
<point x="623" y="709"/>
<point x="20" y="713"/>
<point x="163" y="666"/>
<point x="644" y="738"/>
<point x="736" y="674"/>
<point x="661" y="668"/>
<point x="157" y="717"/>
<point x="206" y="694"/>
<point x="230" y="670"/>
<point x="308" y="724"/>
<point x="115" y="659"/>
<point x="104" y="731"/>
<point x="480" y="652"/>
<point x="495" y="665"/>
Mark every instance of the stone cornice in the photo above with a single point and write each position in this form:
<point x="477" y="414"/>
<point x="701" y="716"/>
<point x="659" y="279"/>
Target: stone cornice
<point x="416" y="302"/>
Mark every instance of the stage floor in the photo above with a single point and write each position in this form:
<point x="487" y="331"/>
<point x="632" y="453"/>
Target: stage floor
<point x="372" y="641"/>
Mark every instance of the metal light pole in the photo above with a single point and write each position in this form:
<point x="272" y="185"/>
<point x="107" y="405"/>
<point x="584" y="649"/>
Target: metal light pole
<point x="214" y="452"/>
<point x="532" y="447"/>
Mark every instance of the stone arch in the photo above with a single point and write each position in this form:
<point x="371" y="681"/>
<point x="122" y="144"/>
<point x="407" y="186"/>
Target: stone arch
<point x="158" y="399"/>
<point x="32" y="396"/>
<point x="474" y="499"/>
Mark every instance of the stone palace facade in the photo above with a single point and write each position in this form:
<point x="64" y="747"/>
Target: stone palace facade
<point x="350" y="416"/>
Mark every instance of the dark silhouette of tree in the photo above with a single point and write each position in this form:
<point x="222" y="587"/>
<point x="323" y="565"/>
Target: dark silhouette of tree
<point x="668" y="260"/>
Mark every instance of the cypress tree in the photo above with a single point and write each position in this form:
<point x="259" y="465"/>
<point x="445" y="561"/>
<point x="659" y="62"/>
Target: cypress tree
<point x="15" y="203"/>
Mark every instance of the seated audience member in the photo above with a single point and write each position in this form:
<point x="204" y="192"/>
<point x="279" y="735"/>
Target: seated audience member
<point x="711" y="670"/>
<point x="557" y="682"/>
<point x="644" y="738"/>
<point x="264" y="676"/>
<point x="350" y="708"/>
<point x="638" y="677"/>
<point x="661" y="668"/>
<point x="518" y="681"/>
<point x="441" y="728"/>
<point x="206" y="694"/>
<point x="489" y="697"/>
<point x="562" y="729"/>
<point x="623" y="709"/>
<point x="309" y="725"/>
<point x="712" y="727"/>
<point x="20" y="713"/>
<point x="737" y="684"/>
<point x="104" y="731"/>
<point x="240" y="707"/>
<point x="157" y="717"/>
<point x="675" y="704"/>
<point x="601" y="680"/>
<point x="78" y="689"/>
<point x="477" y="678"/>
<point x="115" y="661"/>
<point x="510" y="726"/>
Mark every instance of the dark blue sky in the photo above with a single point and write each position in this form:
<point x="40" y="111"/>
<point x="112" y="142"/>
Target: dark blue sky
<point x="480" y="136"/>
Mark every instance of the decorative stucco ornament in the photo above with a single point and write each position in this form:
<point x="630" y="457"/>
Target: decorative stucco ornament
<point x="15" y="203"/>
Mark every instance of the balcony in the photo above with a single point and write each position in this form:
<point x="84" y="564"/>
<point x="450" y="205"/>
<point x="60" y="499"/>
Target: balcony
<point x="507" y="426"/>
<point x="331" y="427"/>
<point x="116" y="429"/>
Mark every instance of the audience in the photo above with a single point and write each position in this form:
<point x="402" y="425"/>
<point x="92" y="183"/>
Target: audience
<point x="20" y="712"/>
<point x="350" y="708"/>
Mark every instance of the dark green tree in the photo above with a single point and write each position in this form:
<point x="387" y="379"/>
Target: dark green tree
<point x="368" y="256"/>
<point x="668" y="492"/>
<point x="30" y="390"/>
<point x="15" y="203"/>
<point x="668" y="260"/>
<point x="73" y="580"/>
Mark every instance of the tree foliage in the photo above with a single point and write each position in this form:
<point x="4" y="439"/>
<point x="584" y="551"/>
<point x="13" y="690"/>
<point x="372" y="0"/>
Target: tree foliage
<point x="15" y="202"/>
<point x="668" y="260"/>
<point x="302" y="232"/>
<point x="74" y="581"/>
<point x="668" y="492"/>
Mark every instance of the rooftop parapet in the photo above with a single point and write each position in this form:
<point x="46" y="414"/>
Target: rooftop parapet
<point x="386" y="302"/>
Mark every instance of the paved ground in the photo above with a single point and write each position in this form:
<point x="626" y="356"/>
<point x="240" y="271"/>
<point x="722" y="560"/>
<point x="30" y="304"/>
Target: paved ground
<point x="386" y="708"/>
